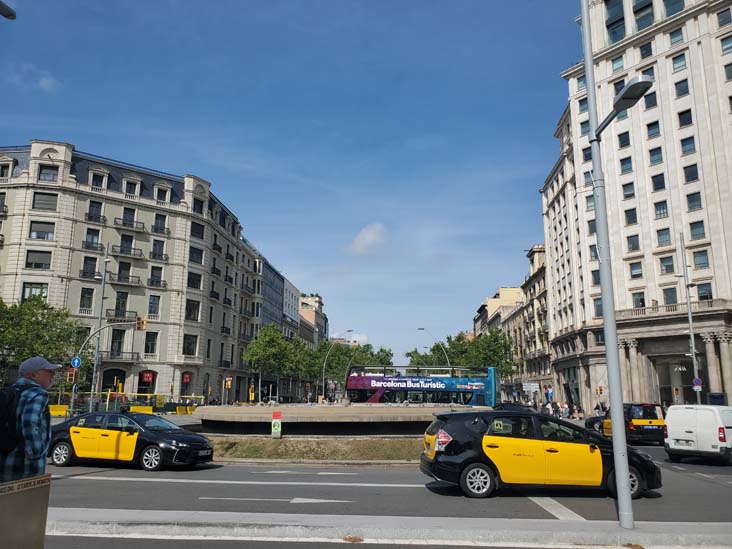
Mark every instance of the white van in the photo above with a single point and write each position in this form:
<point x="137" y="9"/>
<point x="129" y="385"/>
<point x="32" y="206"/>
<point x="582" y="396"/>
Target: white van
<point x="699" y="430"/>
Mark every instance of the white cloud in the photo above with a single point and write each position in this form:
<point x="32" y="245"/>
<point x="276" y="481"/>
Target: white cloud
<point x="368" y="239"/>
<point x="29" y="77"/>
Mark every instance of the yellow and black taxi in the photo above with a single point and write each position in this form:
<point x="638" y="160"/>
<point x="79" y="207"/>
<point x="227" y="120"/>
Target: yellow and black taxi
<point x="147" y="439"/>
<point x="483" y="450"/>
<point x="643" y="423"/>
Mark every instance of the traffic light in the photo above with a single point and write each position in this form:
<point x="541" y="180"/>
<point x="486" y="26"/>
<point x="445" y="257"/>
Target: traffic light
<point x="70" y="374"/>
<point x="141" y="323"/>
<point x="600" y="389"/>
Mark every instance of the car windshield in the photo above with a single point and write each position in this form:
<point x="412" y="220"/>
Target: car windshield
<point x="155" y="423"/>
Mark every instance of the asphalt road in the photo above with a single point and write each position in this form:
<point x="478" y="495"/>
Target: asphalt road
<point x="693" y="491"/>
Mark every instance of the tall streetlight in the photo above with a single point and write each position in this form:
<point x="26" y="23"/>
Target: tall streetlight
<point x="441" y="345"/>
<point x="688" y="285"/>
<point x="332" y="343"/>
<point x="6" y="11"/>
<point x="628" y="96"/>
<point x="99" y="324"/>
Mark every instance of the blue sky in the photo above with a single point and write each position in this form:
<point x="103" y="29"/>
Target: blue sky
<point x="386" y="154"/>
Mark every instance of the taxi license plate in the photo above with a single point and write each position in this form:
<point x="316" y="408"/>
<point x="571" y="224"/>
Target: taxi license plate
<point x="204" y="452"/>
<point x="650" y="426"/>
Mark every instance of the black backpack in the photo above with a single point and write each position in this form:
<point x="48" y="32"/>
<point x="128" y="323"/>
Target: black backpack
<point x="10" y="439"/>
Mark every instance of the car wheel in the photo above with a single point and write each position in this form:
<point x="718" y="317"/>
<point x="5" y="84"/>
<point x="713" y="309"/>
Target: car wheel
<point x="635" y="479"/>
<point x="151" y="458"/>
<point x="674" y="458"/>
<point x="477" y="481"/>
<point x="62" y="454"/>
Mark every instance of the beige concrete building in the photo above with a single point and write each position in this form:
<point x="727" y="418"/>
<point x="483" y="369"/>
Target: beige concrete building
<point x="489" y="314"/>
<point x="311" y="310"/>
<point x="668" y="170"/>
<point x="176" y="256"/>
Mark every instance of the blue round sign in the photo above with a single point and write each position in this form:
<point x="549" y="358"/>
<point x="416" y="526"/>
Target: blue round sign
<point x="696" y="382"/>
<point x="75" y="362"/>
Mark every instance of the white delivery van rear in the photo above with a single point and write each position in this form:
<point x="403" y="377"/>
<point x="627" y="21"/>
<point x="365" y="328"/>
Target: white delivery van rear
<point x="699" y="430"/>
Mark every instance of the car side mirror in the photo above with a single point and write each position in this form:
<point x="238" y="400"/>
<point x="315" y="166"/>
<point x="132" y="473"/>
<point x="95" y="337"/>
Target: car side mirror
<point x="593" y="446"/>
<point x="130" y="430"/>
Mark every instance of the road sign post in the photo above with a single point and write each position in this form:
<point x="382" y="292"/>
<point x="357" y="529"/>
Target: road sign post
<point x="277" y="424"/>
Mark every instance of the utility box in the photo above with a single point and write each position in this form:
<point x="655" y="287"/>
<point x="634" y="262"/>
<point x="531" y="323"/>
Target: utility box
<point x="277" y="424"/>
<point x="23" y="511"/>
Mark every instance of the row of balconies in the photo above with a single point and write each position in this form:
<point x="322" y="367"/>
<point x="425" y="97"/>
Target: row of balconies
<point x="126" y="279"/>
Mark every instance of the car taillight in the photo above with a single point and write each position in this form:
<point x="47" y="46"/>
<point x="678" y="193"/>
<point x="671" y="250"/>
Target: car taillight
<point x="443" y="439"/>
<point x="631" y="426"/>
<point x="665" y="432"/>
<point x="722" y="437"/>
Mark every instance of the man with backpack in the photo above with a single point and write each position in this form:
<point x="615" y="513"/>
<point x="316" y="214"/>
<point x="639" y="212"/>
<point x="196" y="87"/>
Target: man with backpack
<point x="25" y="424"/>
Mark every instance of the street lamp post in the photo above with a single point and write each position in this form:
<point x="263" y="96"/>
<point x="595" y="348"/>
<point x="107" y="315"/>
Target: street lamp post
<point x="99" y="326"/>
<point x="628" y="96"/>
<point x="6" y="11"/>
<point x="687" y="286"/>
<point x="326" y="360"/>
<point x="441" y="345"/>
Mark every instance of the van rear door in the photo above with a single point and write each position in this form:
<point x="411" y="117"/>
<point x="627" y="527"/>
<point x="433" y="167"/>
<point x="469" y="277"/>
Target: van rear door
<point x="707" y="430"/>
<point x="681" y="426"/>
<point x="726" y="414"/>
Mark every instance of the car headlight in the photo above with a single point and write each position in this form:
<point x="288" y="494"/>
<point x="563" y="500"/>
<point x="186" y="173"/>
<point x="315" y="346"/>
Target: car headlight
<point x="179" y="444"/>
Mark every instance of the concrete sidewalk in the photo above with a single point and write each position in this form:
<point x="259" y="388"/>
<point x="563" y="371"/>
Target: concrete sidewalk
<point x="147" y="524"/>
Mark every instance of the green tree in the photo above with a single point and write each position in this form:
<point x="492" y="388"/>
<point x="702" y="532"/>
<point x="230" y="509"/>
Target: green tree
<point x="35" y="328"/>
<point x="269" y="353"/>
<point x="492" y="349"/>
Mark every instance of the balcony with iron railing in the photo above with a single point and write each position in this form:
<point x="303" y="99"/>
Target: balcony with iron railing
<point x="229" y="279"/>
<point x="159" y="256"/>
<point x="245" y="314"/>
<point x="129" y="280"/>
<point x="2" y="239"/>
<point x="217" y="248"/>
<point x="224" y="363"/>
<point x="3" y="210"/>
<point x="230" y="257"/>
<point x="92" y="246"/>
<point x="225" y="330"/>
<point x="161" y="229"/>
<point x="96" y="218"/>
<point x="157" y="282"/>
<point x="675" y="309"/>
<point x="227" y="301"/>
<point x="129" y="224"/>
<point x="245" y="337"/>
<point x="90" y="274"/>
<point x="213" y="294"/>
<point x="247" y="289"/>
<point x="121" y="315"/>
<point x="215" y="271"/>
<point x="128" y="251"/>
<point x="119" y="356"/>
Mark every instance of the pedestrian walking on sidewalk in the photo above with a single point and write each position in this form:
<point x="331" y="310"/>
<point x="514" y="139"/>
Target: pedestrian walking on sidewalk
<point x="26" y="423"/>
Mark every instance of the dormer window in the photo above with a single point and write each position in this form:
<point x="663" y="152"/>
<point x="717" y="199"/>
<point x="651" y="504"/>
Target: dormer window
<point x="97" y="180"/>
<point x="47" y="173"/>
<point x="131" y="189"/>
<point x="4" y="171"/>
<point x="161" y="195"/>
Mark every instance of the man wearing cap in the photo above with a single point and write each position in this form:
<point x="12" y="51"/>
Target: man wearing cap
<point x="33" y="422"/>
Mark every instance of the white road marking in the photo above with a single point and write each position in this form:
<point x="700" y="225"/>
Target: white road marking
<point x="238" y="482"/>
<point x="288" y="500"/>
<point x="552" y="506"/>
<point x="679" y="468"/>
<point x="703" y="475"/>
<point x="374" y="541"/>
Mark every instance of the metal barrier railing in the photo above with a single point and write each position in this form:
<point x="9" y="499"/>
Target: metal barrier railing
<point x="63" y="403"/>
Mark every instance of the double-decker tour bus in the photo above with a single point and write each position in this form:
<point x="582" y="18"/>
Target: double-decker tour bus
<point x="423" y="384"/>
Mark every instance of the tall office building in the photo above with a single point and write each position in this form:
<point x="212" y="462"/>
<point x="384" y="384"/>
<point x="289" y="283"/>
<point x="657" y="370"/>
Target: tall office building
<point x="668" y="172"/>
<point x="176" y="256"/>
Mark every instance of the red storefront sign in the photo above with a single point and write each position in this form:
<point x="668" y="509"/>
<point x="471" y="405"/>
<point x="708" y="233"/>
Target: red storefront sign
<point x="147" y="377"/>
<point x="186" y="377"/>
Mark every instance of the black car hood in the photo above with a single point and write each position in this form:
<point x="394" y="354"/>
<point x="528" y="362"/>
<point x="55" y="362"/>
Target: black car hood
<point x="180" y="435"/>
